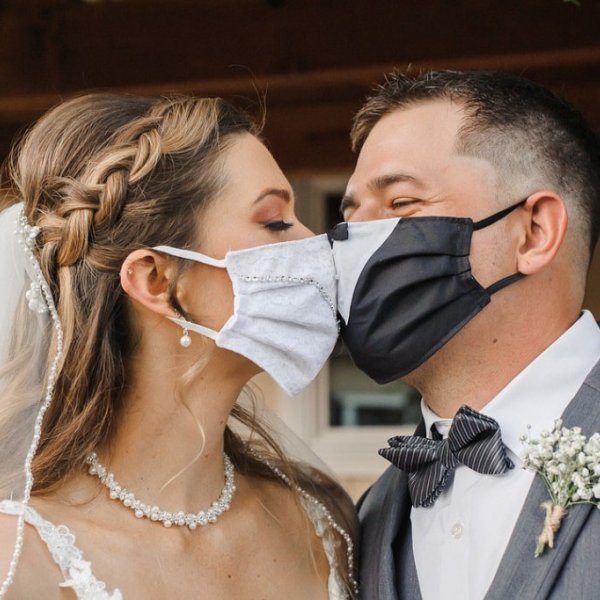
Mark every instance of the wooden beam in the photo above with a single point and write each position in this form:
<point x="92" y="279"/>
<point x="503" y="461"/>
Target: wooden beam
<point x="323" y="83"/>
<point x="315" y="138"/>
<point x="59" y="47"/>
<point x="311" y="133"/>
<point x="316" y="61"/>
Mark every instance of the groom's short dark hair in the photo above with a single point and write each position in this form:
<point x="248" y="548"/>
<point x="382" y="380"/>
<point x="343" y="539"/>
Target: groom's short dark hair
<point x="530" y="135"/>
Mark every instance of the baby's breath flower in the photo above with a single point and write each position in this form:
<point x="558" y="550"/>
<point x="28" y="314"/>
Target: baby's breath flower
<point x="570" y="466"/>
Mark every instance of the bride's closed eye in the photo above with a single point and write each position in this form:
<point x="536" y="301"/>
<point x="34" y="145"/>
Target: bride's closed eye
<point x="277" y="225"/>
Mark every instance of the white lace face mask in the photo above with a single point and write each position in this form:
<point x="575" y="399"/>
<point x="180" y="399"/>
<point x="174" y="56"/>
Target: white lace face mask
<point x="284" y="315"/>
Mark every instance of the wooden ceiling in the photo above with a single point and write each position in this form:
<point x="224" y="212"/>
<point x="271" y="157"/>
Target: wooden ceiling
<point x="315" y="59"/>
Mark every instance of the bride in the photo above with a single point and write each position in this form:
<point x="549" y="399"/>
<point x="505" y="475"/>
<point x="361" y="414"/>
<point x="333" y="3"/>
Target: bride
<point x="151" y="263"/>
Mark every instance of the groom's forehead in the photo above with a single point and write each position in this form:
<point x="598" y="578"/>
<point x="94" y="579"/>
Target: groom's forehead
<point x="435" y="122"/>
<point x="413" y="141"/>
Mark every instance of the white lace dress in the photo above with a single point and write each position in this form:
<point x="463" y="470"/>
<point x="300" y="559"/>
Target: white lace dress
<point x="78" y="575"/>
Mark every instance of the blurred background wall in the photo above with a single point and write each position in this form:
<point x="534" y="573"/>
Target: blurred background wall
<point x="314" y="61"/>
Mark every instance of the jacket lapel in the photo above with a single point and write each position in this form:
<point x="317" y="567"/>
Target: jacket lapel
<point x="520" y="574"/>
<point x="407" y="580"/>
<point x="384" y="513"/>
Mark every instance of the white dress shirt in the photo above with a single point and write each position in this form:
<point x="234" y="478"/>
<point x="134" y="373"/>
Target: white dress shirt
<point x="459" y="541"/>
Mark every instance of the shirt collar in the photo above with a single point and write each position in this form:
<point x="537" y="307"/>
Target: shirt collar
<point x="431" y="418"/>
<point x="539" y="394"/>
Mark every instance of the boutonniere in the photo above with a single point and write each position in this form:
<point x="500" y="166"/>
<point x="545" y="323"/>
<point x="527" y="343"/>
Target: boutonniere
<point x="569" y="464"/>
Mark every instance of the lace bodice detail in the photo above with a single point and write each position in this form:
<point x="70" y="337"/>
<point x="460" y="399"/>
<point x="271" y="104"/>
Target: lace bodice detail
<point x="323" y="529"/>
<point x="76" y="571"/>
<point x="78" y="575"/>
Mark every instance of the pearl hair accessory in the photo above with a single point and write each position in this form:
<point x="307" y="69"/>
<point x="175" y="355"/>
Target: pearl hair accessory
<point x="153" y="512"/>
<point x="26" y="235"/>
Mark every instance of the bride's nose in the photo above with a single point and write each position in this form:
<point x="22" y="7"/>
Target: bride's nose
<point x="301" y="231"/>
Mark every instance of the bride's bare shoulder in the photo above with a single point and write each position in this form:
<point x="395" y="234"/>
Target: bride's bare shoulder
<point x="283" y="508"/>
<point x="286" y="517"/>
<point x="35" y="559"/>
<point x="276" y="505"/>
<point x="279" y="498"/>
<point x="8" y="532"/>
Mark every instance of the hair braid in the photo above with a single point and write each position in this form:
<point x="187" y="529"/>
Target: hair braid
<point x="102" y="176"/>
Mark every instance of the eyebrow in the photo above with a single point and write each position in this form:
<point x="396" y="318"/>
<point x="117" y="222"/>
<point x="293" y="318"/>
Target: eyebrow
<point x="383" y="181"/>
<point x="285" y="195"/>
<point x="379" y="184"/>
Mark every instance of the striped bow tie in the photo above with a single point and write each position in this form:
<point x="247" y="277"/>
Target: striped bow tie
<point x="474" y="440"/>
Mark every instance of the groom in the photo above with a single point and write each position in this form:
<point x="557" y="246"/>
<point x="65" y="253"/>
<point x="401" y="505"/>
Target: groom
<point x="507" y="338"/>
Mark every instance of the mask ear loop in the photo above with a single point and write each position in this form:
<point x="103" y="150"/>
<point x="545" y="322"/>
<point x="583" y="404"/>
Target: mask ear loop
<point x="188" y="326"/>
<point x="496" y="287"/>
<point x="505" y="281"/>
<point x="192" y="255"/>
<point x="497" y="216"/>
<point x="185" y="325"/>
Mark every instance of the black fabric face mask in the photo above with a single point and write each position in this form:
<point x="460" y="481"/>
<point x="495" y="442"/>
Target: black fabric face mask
<point x="405" y="288"/>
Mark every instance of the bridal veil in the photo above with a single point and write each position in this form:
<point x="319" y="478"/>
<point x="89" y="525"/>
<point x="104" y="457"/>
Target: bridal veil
<point x="30" y="356"/>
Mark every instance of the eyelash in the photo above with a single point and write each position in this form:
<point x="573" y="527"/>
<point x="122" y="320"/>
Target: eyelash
<point x="401" y="203"/>
<point x="278" y="225"/>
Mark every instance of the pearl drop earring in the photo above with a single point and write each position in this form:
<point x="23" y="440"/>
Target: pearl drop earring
<point x="185" y="340"/>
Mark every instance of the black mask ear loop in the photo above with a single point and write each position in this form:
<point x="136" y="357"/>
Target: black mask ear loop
<point x="505" y="281"/>
<point x="497" y="216"/>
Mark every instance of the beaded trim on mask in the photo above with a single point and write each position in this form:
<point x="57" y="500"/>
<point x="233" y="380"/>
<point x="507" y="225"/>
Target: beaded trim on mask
<point x="303" y="280"/>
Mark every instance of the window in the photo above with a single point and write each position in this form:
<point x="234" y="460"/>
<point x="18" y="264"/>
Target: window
<point x="356" y="401"/>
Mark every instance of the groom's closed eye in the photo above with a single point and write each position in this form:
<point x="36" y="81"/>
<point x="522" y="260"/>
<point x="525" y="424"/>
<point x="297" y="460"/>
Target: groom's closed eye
<point x="348" y="203"/>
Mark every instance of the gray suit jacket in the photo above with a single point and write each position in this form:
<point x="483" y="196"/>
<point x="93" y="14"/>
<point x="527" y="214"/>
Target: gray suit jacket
<point x="570" y="571"/>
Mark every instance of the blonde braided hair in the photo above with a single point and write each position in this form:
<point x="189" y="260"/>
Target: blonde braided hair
<point x="101" y="176"/>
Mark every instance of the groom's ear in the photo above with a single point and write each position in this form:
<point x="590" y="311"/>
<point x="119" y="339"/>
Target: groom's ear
<point x="544" y="226"/>
<point x="146" y="277"/>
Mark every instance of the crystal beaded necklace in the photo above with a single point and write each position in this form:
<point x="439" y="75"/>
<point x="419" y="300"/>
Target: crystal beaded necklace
<point x="153" y="512"/>
<point x="192" y="520"/>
